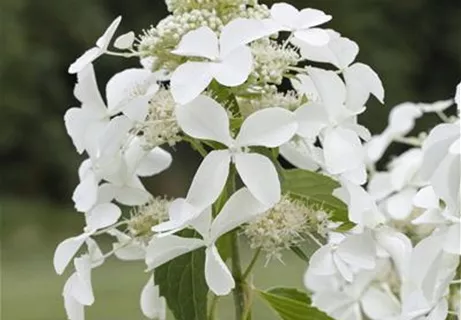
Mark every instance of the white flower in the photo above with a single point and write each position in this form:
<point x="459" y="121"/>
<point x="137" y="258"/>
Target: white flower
<point x="448" y="222"/>
<point x="364" y="298"/>
<point x="361" y="80"/>
<point x="329" y="118"/>
<point x="301" y="23"/>
<point x="152" y="304"/>
<point x="128" y="91"/>
<point x="227" y="60"/>
<point x="354" y="253"/>
<point x="78" y="290"/>
<point x="101" y="47"/>
<point x="205" y="119"/>
<point x="240" y="208"/>
<point x="426" y="281"/>
<point x="401" y="121"/>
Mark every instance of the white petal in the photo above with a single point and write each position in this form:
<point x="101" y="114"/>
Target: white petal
<point x="235" y="67"/>
<point x="156" y="161"/>
<point x="321" y="262"/>
<point x="426" y="198"/>
<point x="241" y="207"/>
<point x="125" y="248"/>
<point x="343" y="268"/>
<point x="312" y="17"/>
<point x="269" y="127"/>
<point x="74" y="309"/>
<point x="342" y="150"/>
<point x="102" y="215"/>
<point x="164" y="249"/>
<point x="190" y="79"/>
<point x="402" y="118"/>
<point x="87" y="92"/>
<point x="313" y="37"/>
<point x="376" y="147"/>
<point x="95" y="253"/>
<point x="312" y="118"/>
<point x="458" y="95"/>
<point x="79" y="283"/>
<point x="202" y="223"/>
<point x="105" y="39"/>
<point x="362" y="207"/>
<point x="260" y="176"/>
<point x="358" y="250"/>
<point x="357" y="175"/>
<point x="86" y="193"/>
<point x="379" y="186"/>
<point x="180" y="213"/>
<point x="299" y="156"/>
<point x="285" y="14"/>
<point x="66" y="250"/>
<point x="85" y="59"/>
<point x="126" y="85"/>
<point x="201" y="42"/>
<point x="339" y="51"/>
<point x="114" y="135"/>
<point x="152" y="305"/>
<point x="125" y="41"/>
<point x="440" y="311"/>
<point x="400" y="205"/>
<point x="331" y="90"/>
<point x="240" y="32"/>
<point x="204" y="118"/>
<point x="76" y="121"/>
<point x="436" y="145"/>
<point x="217" y="275"/>
<point x="361" y="80"/>
<point x="446" y="181"/>
<point x="132" y="195"/>
<point x="209" y="179"/>
<point x="378" y="304"/>
<point x="453" y="239"/>
<point x="397" y="245"/>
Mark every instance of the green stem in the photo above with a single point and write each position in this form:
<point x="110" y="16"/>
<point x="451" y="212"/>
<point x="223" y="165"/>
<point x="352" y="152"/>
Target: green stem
<point x="214" y="304"/>
<point x="196" y="145"/>
<point x="252" y="264"/>
<point x="239" y="290"/>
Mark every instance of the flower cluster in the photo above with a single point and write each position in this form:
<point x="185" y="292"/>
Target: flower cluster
<point x="209" y="77"/>
<point x="401" y="259"/>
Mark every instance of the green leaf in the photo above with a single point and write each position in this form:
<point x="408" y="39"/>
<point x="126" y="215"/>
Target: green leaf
<point x="300" y="253"/>
<point x="182" y="283"/>
<point x="292" y="304"/>
<point x="315" y="189"/>
<point x="224" y="96"/>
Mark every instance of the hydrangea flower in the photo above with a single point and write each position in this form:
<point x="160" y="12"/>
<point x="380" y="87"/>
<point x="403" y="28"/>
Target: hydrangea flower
<point x="240" y="208"/>
<point x="227" y="60"/>
<point x="206" y="119"/>
<point x="101" y="47"/>
<point x="301" y="23"/>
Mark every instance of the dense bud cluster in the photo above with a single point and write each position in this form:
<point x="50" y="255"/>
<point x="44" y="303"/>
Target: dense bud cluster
<point x="283" y="226"/>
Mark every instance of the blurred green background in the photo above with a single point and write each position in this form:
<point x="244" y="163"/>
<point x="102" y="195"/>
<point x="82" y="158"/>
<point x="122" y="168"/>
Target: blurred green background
<point x="414" y="45"/>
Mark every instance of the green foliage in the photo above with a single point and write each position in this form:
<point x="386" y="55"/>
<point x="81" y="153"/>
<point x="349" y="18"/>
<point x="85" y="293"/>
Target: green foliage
<point x="316" y="189"/>
<point x="182" y="283"/>
<point x="292" y="304"/>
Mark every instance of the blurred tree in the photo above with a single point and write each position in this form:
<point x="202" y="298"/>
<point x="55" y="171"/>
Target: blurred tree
<point x="414" y="45"/>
